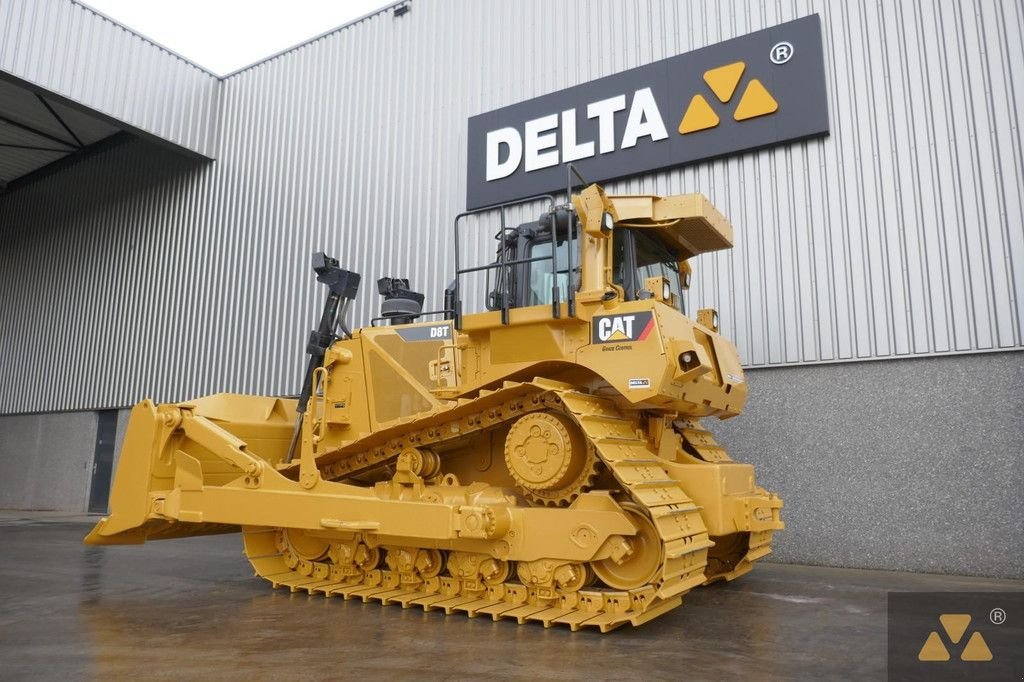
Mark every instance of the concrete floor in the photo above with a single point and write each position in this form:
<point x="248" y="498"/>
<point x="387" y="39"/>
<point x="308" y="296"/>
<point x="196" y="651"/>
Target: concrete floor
<point x="191" y="609"/>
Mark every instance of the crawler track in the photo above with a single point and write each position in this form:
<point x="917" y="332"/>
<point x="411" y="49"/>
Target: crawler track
<point x="644" y="486"/>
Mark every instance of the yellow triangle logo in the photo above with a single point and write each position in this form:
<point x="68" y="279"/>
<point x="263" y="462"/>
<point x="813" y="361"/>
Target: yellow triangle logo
<point x="756" y="101"/>
<point x="976" y="649"/>
<point x="724" y="79"/>
<point x="618" y="336"/>
<point x="933" y="649"/>
<point x="698" y="116"/>
<point x="955" y="625"/>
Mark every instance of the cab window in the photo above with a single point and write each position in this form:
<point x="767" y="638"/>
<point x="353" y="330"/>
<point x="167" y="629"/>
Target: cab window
<point x="542" y="280"/>
<point x="636" y="256"/>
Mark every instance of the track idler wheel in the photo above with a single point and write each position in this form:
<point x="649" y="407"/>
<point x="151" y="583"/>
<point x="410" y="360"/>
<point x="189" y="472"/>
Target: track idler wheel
<point x="306" y="547"/>
<point x="639" y="559"/>
<point x="726" y="556"/>
<point x="302" y="552"/>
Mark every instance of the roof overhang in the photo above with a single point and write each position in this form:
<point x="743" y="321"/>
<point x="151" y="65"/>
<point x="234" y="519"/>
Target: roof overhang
<point x="71" y="78"/>
<point x="37" y="130"/>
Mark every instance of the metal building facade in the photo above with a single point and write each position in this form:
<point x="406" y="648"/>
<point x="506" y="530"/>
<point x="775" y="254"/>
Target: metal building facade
<point x="70" y="50"/>
<point x="901" y="234"/>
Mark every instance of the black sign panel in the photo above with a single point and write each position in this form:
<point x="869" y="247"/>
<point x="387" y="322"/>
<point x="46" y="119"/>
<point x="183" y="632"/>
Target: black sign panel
<point x="754" y="91"/>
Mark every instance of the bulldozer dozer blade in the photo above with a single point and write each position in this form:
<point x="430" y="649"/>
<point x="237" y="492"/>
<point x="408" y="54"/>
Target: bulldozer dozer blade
<point x="152" y="450"/>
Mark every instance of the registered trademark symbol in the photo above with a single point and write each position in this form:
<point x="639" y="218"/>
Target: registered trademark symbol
<point x="781" y="52"/>
<point x="997" y="616"/>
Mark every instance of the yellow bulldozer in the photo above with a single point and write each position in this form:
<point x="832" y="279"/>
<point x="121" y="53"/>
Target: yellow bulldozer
<point x="542" y="460"/>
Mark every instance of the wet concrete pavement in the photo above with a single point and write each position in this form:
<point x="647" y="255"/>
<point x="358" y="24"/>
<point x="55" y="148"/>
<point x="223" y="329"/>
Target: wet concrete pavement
<point x="191" y="609"/>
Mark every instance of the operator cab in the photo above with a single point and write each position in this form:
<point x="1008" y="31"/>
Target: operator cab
<point x="533" y="277"/>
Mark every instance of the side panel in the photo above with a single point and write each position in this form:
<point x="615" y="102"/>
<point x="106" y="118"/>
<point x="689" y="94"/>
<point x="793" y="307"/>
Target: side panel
<point x="641" y="349"/>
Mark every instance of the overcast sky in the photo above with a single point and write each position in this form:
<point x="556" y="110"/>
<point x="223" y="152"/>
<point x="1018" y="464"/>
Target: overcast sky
<point x="225" y="35"/>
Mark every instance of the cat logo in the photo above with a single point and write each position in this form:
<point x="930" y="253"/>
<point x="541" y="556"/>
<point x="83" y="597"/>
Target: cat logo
<point x="628" y="327"/>
<point x="955" y="625"/>
<point x="723" y="81"/>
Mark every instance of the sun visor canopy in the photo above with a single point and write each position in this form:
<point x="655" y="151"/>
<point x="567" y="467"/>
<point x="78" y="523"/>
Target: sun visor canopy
<point x="688" y="223"/>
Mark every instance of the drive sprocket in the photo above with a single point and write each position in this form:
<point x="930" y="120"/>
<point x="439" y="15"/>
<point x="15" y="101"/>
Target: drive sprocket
<point x="549" y="458"/>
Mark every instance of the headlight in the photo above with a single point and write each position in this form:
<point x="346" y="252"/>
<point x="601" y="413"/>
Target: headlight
<point x="607" y="222"/>
<point x="688" y="361"/>
<point x="666" y="292"/>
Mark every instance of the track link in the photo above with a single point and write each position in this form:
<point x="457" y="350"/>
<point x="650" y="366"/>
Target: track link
<point x="602" y="609"/>
<point x="702" y="443"/>
<point x="639" y="470"/>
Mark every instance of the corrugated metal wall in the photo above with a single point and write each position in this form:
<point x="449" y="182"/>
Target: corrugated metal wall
<point x="901" y="234"/>
<point x="69" y="49"/>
